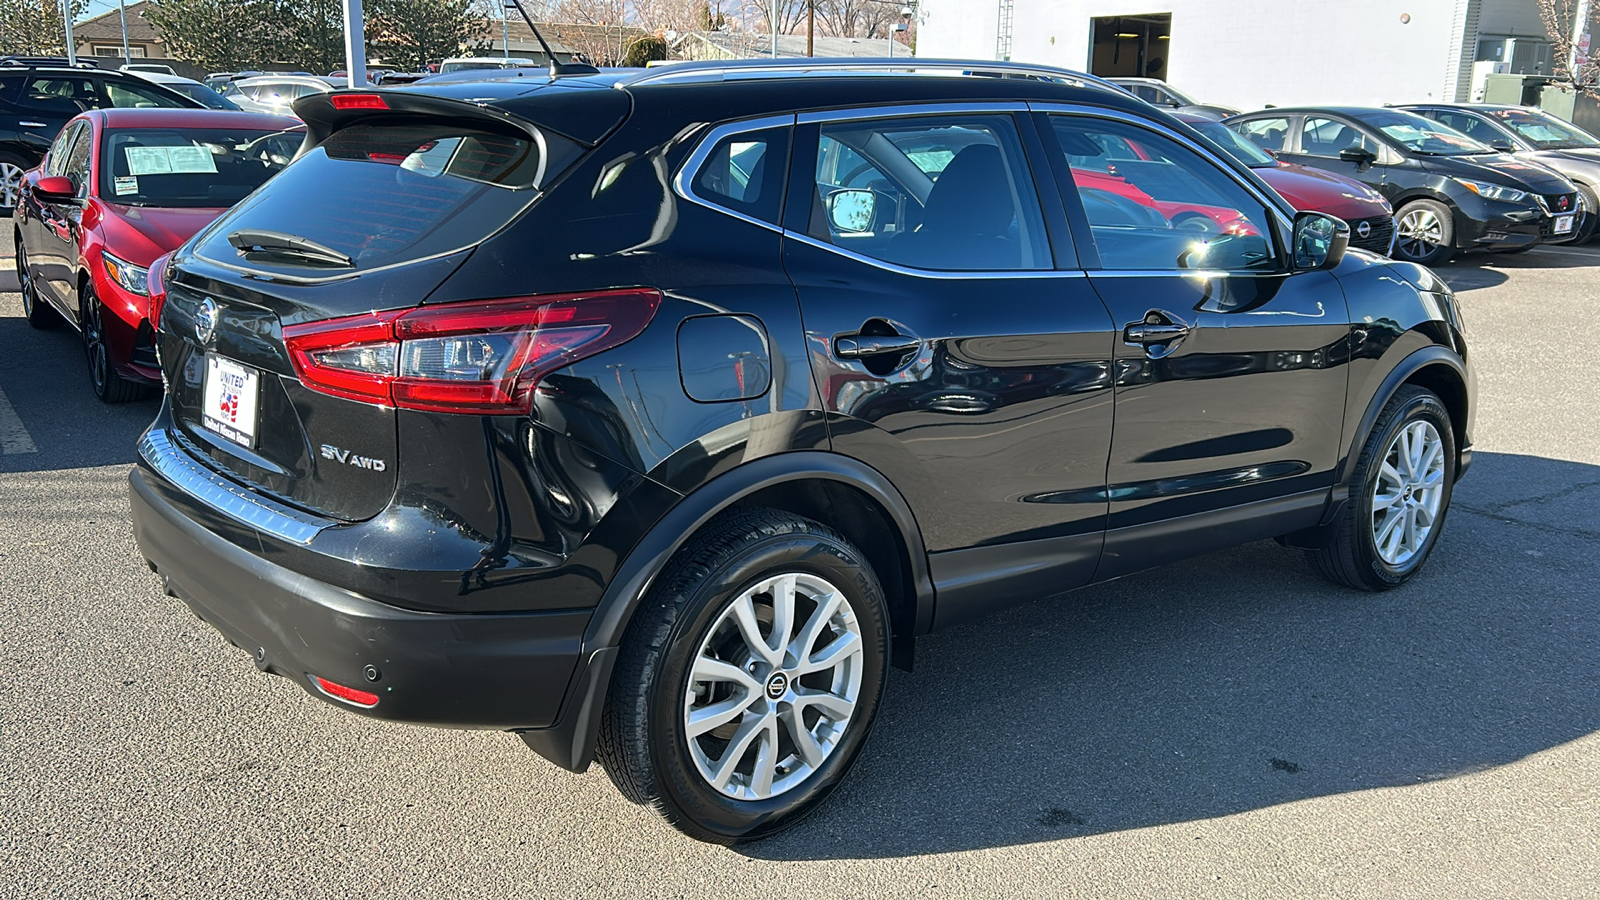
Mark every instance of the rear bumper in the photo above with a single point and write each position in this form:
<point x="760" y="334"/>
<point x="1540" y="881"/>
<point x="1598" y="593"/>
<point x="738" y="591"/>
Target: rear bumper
<point x="494" y="671"/>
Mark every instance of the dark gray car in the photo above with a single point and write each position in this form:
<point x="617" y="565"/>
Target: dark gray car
<point x="1536" y="136"/>
<point x="1158" y="93"/>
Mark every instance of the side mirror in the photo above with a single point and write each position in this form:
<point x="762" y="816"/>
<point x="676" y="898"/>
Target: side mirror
<point x="1502" y="145"/>
<point x="55" y="188"/>
<point x="1319" y="241"/>
<point x="852" y="211"/>
<point x="1361" y="156"/>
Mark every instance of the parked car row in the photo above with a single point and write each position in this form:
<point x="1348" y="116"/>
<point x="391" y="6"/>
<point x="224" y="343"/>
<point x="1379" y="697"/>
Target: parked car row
<point x="657" y="440"/>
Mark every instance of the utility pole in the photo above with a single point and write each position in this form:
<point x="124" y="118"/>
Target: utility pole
<point x="355" y="45"/>
<point x="811" y="27"/>
<point x="122" y="8"/>
<point x="775" y="29"/>
<point x="505" y="31"/>
<point x="66" y="22"/>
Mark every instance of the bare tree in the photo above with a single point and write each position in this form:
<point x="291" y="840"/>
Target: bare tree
<point x="1559" y="17"/>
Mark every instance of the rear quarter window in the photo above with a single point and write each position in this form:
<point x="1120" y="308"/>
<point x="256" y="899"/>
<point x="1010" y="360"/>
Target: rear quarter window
<point x="745" y="172"/>
<point x="389" y="192"/>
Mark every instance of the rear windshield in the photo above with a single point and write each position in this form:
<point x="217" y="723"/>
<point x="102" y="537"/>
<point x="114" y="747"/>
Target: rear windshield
<point x="389" y="192"/>
<point x="190" y="167"/>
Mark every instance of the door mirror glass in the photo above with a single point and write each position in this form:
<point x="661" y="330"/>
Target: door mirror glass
<point x="1501" y="145"/>
<point x="1319" y="241"/>
<point x="852" y="211"/>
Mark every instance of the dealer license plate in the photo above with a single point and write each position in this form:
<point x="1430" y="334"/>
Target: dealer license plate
<point x="230" y="399"/>
<point x="1564" y="224"/>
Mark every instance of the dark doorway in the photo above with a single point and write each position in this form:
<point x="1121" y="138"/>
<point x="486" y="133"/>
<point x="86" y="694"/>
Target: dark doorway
<point x="1131" y="46"/>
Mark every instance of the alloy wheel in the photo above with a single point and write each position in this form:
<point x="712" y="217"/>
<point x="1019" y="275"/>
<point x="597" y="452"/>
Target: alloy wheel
<point x="1409" y="489"/>
<point x="774" y="686"/>
<point x="10" y="185"/>
<point x="1421" y="232"/>
<point x="25" y="281"/>
<point x="94" y="344"/>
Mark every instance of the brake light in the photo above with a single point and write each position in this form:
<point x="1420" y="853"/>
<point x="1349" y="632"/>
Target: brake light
<point x="156" y="285"/>
<point x="358" y="101"/>
<point x="483" y="357"/>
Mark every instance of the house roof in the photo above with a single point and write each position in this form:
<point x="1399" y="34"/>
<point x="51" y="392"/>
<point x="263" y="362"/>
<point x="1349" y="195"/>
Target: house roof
<point x="744" y="44"/>
<point x="108" y="27"/>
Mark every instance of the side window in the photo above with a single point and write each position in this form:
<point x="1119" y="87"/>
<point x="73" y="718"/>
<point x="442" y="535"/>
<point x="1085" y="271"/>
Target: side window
<point x="133" y="96"/>
<point x="1471" y="126"/>
<point x="77" y="163"/>
<point x="744" y="172"/>
<point x="1326" y="137"/>
<point x="936" y="192"/>
<point x="1154" y="204"/>
<point x="59" y="151"/>
<point x="1268" y="134"/>
<point x="59" y="96"/>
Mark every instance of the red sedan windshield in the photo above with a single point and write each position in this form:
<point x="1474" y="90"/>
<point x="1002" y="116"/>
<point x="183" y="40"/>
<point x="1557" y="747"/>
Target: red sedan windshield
<point x="190" y="167"/>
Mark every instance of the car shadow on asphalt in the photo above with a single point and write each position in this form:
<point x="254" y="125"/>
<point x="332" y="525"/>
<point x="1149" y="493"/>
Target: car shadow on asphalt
<point x="1238" y="681"/>
<point x="46" y="381"/>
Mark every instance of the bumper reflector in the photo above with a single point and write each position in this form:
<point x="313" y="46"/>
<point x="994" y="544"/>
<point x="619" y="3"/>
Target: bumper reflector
<point x="347" y="694"/>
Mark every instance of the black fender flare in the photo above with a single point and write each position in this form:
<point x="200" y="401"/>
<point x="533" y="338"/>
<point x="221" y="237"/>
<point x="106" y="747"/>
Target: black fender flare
<point x="570" y="742"/>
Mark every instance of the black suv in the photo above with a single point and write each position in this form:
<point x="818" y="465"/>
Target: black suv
<point x="654" y="415"/>
<point x="39" y="94"/>
<point x="1449" y="191"/>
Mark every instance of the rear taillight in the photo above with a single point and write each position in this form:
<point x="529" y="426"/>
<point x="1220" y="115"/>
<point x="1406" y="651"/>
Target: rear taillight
<point x="156" y="284"/>
<point x="477" y="357"/>
<point x="358" y="101"/>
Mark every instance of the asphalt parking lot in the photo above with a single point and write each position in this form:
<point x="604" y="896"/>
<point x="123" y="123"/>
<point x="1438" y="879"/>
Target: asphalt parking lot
<point x="1230" y="726"/>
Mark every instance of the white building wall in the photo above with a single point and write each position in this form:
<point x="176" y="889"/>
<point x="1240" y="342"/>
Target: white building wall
<point x="1243" y="53"/>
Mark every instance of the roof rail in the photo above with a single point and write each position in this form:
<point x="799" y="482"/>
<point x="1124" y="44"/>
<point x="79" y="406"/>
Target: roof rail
<point x="731" y="70"/>
<point x="54" y="61"/>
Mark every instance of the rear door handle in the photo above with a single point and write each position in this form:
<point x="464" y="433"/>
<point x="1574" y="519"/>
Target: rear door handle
<point x="32" y="124"/>
<point x="855" y="346"/>
<point x="1155" y="333"/>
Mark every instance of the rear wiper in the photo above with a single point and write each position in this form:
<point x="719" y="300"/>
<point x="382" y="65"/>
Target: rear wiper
<point x="251" y="241"/>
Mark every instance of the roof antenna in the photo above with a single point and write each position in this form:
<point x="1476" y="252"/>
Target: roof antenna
<point x="557" y="67"/>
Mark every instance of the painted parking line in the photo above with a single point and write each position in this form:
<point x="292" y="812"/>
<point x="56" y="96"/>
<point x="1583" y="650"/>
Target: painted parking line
<point x="14" y="436"/>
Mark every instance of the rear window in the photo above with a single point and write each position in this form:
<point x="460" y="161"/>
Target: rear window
<point x="389" y="192"/>
<point x="190" y="167"/>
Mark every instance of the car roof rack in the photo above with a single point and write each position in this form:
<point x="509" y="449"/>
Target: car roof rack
<point x="52" y="61"/>
<point x="738" y="69"/>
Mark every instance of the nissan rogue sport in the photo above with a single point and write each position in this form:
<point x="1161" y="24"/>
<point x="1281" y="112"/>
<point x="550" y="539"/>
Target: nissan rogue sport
<point x="652" y="416"/>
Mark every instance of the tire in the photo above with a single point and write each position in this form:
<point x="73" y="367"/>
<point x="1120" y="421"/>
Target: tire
<point x="37" y="311"/>
<point x="1425" y="232"/>
<point x="11" y="168"/>
<point x="689" y="625"/>
<point x="1363" y="553"/>
<point x="1589" y="203"/>
<point x="108" y="385"/>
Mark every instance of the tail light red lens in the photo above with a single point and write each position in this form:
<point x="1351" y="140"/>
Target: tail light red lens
<point x="483" y="357"/>
<point x="156" y="285"/>
<point x="358" y="101"/>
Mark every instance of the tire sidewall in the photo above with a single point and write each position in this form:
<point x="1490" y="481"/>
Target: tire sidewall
<point x="1414" y="407"/>
<point x="1447" y="231"/>
<point x="676" y="776"/>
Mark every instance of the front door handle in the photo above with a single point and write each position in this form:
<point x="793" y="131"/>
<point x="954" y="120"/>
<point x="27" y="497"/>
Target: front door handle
<point x="856" y="346"/>
<point x="1155" y="332"/>
<point x="25" y="124"/>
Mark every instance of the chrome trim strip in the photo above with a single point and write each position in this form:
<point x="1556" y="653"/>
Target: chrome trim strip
<point x="224" y="496"/>
<point x="933" y="273"/>
<point x="721" y="70"/>
<point x="691" y="166"/>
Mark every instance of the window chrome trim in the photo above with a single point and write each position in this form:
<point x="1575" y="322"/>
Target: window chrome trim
<point x="682" y="183"/>
<point x="932" y="273"/>
<point x="224" y="496"/>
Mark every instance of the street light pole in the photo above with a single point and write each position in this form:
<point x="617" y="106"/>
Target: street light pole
<point x="505" y="31"/>
<point x="774" y="29"/>
<point x="122" y="9"/>
<point x="66" y="23"/>
<point x="355" y="45"/>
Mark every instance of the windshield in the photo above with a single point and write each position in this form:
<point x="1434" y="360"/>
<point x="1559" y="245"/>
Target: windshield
<point x="1544" y="131"/>
<point x="209" y="98"/>
<point x="1424" y="136"/>
<point x="1231" y="141"/>
<point x="203" y="168"/>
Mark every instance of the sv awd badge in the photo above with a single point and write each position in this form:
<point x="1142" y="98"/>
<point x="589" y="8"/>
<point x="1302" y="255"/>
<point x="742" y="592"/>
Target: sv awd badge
<point x="345" y="456"/>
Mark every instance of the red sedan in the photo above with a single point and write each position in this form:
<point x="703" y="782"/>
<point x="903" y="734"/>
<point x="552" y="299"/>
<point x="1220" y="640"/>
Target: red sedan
<point x="119" y="188"/>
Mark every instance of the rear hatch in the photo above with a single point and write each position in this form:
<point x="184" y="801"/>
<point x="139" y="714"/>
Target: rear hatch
<point x="390" y="198"/>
